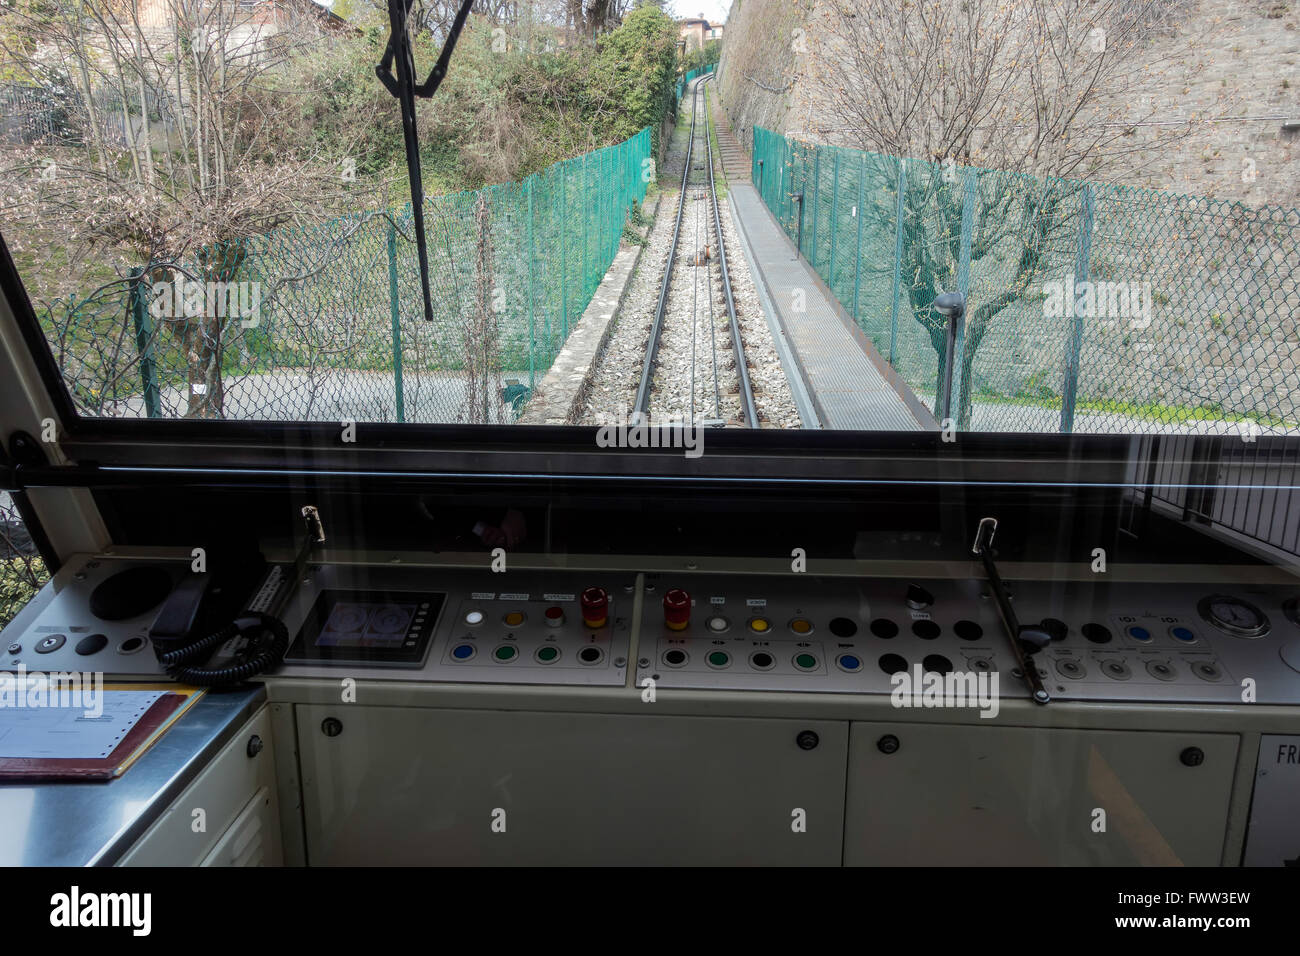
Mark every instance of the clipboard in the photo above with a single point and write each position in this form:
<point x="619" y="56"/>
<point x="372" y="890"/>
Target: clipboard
<point x="143" y="734"/>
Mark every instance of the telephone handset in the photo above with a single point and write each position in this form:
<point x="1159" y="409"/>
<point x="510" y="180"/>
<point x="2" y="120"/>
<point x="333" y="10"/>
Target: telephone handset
<point x="234" y="606"/>
<point x="207" y="610"/>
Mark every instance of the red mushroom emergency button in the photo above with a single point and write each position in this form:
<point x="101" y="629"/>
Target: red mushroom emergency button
<point x="677" y="609"/>
<point x="595" y="607"/>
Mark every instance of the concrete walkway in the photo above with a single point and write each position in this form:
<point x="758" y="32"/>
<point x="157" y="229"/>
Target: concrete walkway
<point x="850" y="384"/>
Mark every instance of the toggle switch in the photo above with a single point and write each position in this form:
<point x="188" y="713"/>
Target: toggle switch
<point x="918" y="598"/>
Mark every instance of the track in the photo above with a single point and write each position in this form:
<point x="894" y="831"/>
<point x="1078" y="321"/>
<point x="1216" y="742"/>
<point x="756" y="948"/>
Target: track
<point x="698" y="384"/>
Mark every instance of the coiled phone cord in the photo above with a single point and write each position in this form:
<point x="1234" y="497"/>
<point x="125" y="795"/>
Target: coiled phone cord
<point x="265" y="653"/>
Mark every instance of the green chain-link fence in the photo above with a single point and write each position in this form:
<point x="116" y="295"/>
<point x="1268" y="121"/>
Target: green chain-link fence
<point x="1090" y="307"/>
<point x="326" y="322"/>
<point x="685" y="81"/>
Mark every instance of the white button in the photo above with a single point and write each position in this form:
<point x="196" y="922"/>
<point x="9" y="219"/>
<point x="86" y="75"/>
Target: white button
<point x="717" y="624"/>
<point x="474" y="617"/>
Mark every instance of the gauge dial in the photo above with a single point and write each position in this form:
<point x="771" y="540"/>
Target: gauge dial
<point x="1233" y="616"/>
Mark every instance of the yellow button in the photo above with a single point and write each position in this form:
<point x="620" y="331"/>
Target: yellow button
<point x="514" y="618"/>
<point x="800" y="626"/>
<point x="759" y="625"/>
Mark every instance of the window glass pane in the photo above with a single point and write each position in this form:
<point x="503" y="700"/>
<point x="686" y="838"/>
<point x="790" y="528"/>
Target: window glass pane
<point x="22" y="572"/>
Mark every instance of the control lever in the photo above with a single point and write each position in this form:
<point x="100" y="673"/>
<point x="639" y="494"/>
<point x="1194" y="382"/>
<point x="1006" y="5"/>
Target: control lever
<point x="1025" y="641"/>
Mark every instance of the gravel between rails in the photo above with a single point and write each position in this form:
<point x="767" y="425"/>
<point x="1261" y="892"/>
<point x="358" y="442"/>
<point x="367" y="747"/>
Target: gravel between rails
<point x="617" y="375"/>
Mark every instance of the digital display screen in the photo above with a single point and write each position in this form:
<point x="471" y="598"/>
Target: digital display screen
<point x="366" y="624"/>
<point x="367" y="627"/>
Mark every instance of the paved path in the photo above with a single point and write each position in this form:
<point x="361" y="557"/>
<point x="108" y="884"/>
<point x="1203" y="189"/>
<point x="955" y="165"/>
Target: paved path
<point x="849" y="383"/>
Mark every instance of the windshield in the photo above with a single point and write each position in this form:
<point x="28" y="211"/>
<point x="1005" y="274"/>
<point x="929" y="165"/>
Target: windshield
<point x="209" y="206"/>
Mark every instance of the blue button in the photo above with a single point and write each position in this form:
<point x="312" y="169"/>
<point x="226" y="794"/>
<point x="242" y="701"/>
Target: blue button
<point x="463" y="652"/>
<point x="1139" y="633"/>
<point x="849" y="662"/>
<point x="1183" y="634"/>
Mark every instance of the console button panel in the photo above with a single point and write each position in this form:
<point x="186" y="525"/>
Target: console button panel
<point x="1129" y="642"/>
<point x="1109" y="641"/>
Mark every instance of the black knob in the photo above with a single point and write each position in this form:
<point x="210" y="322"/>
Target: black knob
<point x="887" y="744"/>
<point x="255" y="745"/>
<point x="331" y="726"/>
<point x="1192" y="757"/>
<point x="1033" y="638"/>
<point x="807" y="740"/>
<point x="1058" y="629"/>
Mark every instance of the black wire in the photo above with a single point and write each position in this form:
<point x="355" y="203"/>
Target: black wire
<point x="261" y="654"/>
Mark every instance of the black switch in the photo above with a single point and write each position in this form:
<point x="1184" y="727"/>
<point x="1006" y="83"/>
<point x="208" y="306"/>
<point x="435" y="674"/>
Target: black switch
<point x="1058" y="629"/>
<point x="918" y="598"/>
<point x="92" y="644"/>
<point x="1033" y="639"/>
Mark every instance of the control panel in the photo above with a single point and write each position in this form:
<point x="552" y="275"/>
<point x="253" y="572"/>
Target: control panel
<point x="841" y="635"/>
<point x="400" y="623"/>
<point x="95" y="615"/>
<point x="708" y="631"/>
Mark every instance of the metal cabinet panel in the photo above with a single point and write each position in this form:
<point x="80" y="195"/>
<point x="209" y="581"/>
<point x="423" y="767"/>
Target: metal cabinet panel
<point x="221" y="791"/>
<point x="254" y="838"/>
<point x="963" y="795"/>
<point x="420" y="786"/>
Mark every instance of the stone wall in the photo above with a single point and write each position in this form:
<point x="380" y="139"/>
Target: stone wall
<point x="1229" y="67"/>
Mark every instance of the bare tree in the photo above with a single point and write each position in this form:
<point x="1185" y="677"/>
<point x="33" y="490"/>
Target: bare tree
<point x="193" y="143"/>
<point x="1023" y="87"/>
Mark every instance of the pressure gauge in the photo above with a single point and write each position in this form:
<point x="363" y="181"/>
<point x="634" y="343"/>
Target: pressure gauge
<point x="1233" y="616"/>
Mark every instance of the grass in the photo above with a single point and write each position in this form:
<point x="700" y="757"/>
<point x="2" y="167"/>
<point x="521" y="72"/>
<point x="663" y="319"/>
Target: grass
<point x="1147" y="411"/>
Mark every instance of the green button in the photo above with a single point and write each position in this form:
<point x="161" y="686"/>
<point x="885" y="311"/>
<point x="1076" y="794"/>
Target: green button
<point x="506" y="652"/>
<point x="719" y="658"/>
<point x="806" y="661"/>
<point x="548" y="654"/>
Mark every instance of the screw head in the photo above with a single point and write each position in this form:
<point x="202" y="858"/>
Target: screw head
<point x="887" y="744"/>
<point x="807" y="740"/>
<point x="1192" y="757"/>
<point x="255" y="746"/>
<point x="331" y="726"/>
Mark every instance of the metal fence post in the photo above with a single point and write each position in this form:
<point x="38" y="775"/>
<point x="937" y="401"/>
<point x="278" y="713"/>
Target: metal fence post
<point x="782" y="194"/>
<point x="143" y="322"/>
<point x="798" y="197"/>
<point x="835" y="219"/>
<point x="969" y="193"/>
<point x="584" y="205"/>
<point x="898" y="260"/>
<point x="397" y="323"/>
<point x="861" y="215"/>
<point x="532" y="321"/>
<point x="1074" y="346"/>
<point x="952" y="306"/>
<point x="564" y="252"/>
<point x="817" y="178"/>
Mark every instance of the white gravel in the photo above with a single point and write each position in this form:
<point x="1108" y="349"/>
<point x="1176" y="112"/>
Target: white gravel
<point x="691" y="338"/>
